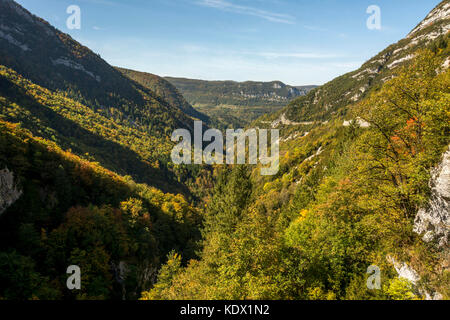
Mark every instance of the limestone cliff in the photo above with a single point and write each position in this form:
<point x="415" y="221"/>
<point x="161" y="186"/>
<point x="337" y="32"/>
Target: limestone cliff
<point x="9" y="192"/>
<point x="434" y="221"/>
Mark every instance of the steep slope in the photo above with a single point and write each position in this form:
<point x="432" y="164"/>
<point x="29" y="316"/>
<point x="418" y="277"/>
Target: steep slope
<point x="52" y="59"/>
<point x="237" y="103"/>
<point x="321" y="103"/>
<point x="165" y="90"/>
<point x="62" y="91"/>
<point x="346" y="195"/>
<point x="63" y="210"/>
<point x="75" y="127"/>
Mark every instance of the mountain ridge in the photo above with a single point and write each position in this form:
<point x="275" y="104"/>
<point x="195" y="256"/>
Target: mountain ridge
<point x="275" y="90"/>
<point x="164" y="89"/>
<point x="236" y="103"/>
<point x="323" y="102"/>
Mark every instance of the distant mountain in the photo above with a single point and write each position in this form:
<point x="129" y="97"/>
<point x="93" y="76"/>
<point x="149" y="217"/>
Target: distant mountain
<point x="305" y="89"/>
<point x="165" y="90"/>
<point x="250" y="93"/>
<point x="237" y="103"/>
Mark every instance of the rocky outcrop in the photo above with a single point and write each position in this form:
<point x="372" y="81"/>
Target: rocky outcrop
<point x="433" y="222"/>
<point x="441" y="12"/>
<point x="9" y="193"/>
<point x="404" y="271"/>
<point x="407" y="272"/>
<point x="145" y="272"/>
<point x="120" y="271"/>
<point x="13" y="41"/>
<point x="360" y="122"/>
<point x="283" y="120"/>
<point x="64" y="61"/>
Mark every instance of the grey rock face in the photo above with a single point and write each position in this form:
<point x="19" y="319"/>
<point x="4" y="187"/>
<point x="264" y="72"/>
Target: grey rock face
<point x="407" y="272"/>
<point x="8" y="191"/>
<point x="434" y="222"/>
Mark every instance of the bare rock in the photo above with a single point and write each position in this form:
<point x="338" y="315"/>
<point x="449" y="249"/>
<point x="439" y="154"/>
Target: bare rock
<point x="9" y="193"/>
<point x="433" y="222"/>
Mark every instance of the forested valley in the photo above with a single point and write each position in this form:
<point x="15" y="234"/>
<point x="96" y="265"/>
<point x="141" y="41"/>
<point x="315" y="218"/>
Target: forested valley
<point x="86" y="179"/>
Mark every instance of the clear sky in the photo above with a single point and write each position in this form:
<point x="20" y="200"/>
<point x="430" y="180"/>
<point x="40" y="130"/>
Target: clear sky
<point x="299" y="42"/>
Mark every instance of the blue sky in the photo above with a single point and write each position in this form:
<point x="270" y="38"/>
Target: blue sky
<point x="299" y="42"/>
